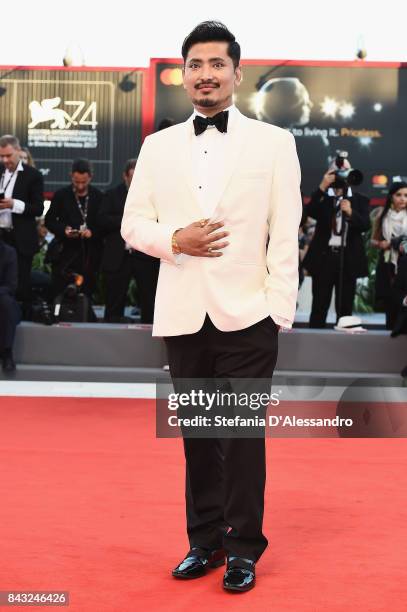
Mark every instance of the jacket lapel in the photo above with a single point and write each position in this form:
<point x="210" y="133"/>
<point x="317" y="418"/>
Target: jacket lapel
<point x="185" y="161"/>
<point x="237" y="135"/>
<point x="18" y="186"/>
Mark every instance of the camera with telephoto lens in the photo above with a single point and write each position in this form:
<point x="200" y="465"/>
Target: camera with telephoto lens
<point x="345" y="175"/>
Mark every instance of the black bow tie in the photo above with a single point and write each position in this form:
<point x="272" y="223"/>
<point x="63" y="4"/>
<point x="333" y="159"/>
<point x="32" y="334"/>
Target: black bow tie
<point x="220" y="121"/>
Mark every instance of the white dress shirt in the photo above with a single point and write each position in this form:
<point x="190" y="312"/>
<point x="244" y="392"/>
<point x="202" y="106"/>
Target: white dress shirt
<point x="8" y="180"/>
<point x="208" y="150"/>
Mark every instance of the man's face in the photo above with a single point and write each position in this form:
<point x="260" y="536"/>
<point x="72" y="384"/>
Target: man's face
<point x="80" y="182"/>
<point x="127" y="177"/>
<point x="210" y="77"/>
<point x="10" y="157"/>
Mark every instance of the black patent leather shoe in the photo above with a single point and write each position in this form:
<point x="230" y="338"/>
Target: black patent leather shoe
<point x="240" y="575"/>
<point x="197" y="561"/>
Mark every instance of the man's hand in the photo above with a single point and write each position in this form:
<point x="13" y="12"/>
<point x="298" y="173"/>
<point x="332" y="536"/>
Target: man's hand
<point x="328" y="179"/>
<point x="384" y="245"/>
<point x="346" y="207"/>
<point x="6" y="203"/>
<point x="200" y="239"/>
<point x="86" y="233"/>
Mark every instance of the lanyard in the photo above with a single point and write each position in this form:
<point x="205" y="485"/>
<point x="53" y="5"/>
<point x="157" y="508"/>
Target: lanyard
<point x="4" y="186"/>
<point x="83" y="210"/>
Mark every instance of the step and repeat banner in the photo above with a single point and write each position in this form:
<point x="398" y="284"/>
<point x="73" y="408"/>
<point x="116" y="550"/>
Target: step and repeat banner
<point x="63" y="114"/>
<point x="355" y="108"/>
<point x="101" y="114"/>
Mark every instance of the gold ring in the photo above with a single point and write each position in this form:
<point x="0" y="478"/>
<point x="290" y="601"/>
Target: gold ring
<point x="210" y="249"/>
<point x="202" y="222"/>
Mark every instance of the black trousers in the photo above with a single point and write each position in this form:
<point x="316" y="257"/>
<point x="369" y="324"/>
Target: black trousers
<point x="24" y="289"/>
<point x="145" y="272"/>
<point x="322" y="286"/>
<point x="24" y="264"/>
<point x="386" y="298"/>
<point x="9" y="319"/>
<point x="225" y="477"/>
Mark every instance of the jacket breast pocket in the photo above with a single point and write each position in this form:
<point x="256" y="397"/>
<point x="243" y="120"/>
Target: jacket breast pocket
<point x="253" y="175"/>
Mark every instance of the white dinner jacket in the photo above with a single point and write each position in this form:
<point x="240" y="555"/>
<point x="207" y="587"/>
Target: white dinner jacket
<point x="260" y="203"/>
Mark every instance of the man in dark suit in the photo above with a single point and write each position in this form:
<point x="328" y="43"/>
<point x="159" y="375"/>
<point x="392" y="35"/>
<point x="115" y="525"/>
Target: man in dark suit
<point x="9" y="310"/>
<point x="73" y="219"/>
<point x="337" y="210"/>
<point x="21" y="201"/>
<point x="120" y="262"/>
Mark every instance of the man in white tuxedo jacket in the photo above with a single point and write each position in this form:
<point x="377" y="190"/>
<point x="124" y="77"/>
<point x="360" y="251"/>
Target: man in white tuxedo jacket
<point x="217" y="199"/>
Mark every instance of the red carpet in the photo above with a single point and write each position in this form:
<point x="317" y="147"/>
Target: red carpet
<point x="92" y="503"/>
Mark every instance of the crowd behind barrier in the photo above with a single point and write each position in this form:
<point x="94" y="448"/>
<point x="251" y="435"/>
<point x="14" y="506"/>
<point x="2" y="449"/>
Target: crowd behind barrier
<point x="56" y="266"/>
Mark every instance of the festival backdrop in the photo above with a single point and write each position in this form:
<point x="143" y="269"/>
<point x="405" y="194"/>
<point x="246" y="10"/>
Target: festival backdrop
<point x="101" y="114"/>
<point x="65" y="113"/>
<point x="348" y="106"/>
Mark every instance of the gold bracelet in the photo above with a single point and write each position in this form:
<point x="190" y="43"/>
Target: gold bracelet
<point x="175" y="246"/>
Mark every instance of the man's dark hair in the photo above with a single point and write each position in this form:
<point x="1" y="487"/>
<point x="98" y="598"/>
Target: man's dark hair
<point x="130" y="165"/>
<point x="210" y="31"/>
<point x="82" y="166"/>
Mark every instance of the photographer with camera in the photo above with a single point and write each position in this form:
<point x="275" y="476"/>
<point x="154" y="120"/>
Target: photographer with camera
<point x="336" y="256"/>
<point x="73" y="219"/>
<point x="390" y="229"/>
<point x="9" y="309"/>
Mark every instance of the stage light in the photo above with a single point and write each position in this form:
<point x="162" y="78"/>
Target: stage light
<point x="126" y="85"/>
<point x="74" y="55"/>
<point x="377" y="107"/>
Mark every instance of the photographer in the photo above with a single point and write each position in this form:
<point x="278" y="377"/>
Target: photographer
<point x="9" y="310"/>
<point x="336" y="256"/>
<point x="72" y="218"/>
<point x="389" y="228"/>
